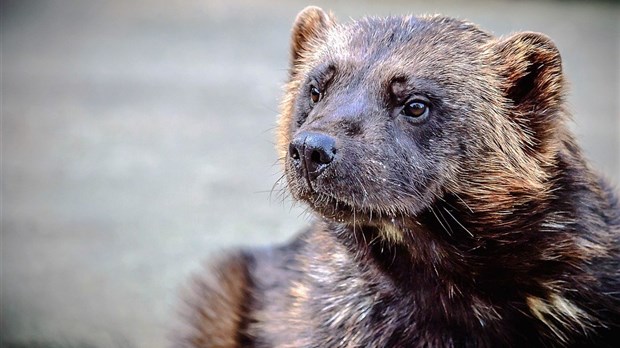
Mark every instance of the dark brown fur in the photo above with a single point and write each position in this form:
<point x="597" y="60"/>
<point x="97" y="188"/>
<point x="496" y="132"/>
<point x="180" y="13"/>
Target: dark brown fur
<point x="479" y="226"/>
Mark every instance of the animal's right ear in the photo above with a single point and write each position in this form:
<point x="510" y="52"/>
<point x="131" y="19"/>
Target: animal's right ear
<point x="311" y="24"/>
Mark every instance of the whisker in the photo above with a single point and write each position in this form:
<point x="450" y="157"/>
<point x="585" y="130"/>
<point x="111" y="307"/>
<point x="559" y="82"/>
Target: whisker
<point x="439" y="220"/>
<point x="464" y="203"/>
<point x="458" y="222"/>
<point x="276" y="183"/>
<point x="446" y="221"/>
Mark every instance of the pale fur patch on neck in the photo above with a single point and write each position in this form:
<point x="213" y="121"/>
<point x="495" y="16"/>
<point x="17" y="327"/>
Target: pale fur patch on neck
<point x="392" y="234"/>
<point x="559" y="314"/>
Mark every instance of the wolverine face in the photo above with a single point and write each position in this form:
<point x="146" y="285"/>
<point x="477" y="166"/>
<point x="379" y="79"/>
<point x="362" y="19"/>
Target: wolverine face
<point x="373" y="122"/>
<point x="383" y="117"/>
<point x="364" y="143"/>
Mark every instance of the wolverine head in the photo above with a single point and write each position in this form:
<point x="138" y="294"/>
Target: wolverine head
<point x="383" y="117"/>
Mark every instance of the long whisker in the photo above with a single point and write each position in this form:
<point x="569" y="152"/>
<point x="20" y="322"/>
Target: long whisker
<point x="439" y="220"/>
<point x="446" y="221"/>
<point x="283" y="191"/>
<point x="458" y="222"/>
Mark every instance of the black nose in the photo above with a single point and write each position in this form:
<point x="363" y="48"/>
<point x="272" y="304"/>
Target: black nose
<point x="312" y="153"/>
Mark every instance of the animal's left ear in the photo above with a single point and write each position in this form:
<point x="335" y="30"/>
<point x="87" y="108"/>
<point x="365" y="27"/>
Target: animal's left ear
<point x="531" y="69"/>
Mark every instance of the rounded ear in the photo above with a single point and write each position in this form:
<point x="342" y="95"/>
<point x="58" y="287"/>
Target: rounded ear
<point x="532" y="82"/>
<point x="531" y="67"/>
<point x="311" y="23"/>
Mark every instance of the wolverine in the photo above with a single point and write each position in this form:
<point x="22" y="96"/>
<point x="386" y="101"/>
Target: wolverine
<point x="453" y="206"/>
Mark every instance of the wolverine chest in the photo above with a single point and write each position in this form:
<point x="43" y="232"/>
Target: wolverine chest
<point x="336" y="300"/>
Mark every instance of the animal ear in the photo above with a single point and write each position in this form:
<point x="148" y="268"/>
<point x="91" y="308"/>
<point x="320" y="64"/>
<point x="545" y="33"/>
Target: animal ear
<point x="532" y="69"/>
<point x="532" y="82"/>
<point x="311" y="23"/>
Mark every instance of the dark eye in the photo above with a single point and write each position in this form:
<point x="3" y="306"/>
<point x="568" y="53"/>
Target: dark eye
<point x="415" y="109"/>
<point x="315" y="94"/>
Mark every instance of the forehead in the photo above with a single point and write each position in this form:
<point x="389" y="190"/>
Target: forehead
<point x="426" y="45"/>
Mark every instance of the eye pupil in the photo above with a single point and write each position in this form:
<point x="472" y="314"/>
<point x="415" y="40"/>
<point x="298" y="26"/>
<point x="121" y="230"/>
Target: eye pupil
<point x="315" y="94"/>
<point x="415" y="109"/>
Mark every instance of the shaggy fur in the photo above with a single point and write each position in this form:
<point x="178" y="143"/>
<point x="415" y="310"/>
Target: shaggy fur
<point x="479" y="224"/>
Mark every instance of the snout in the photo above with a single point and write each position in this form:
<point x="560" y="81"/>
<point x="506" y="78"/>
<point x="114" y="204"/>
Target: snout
<point x="311" y="153"/>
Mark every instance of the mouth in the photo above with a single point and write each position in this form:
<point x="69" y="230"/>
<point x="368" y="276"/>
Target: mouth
<point x="344" y="210"/>
<point x="328" y="206"/>
<point x="335" y="197"/>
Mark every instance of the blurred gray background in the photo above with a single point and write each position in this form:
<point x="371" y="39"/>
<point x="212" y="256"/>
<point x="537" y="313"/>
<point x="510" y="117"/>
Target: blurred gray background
<point x="137" y="142"/>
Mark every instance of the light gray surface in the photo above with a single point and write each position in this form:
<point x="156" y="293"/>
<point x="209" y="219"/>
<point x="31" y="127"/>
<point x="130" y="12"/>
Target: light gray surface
<point x="137" y="141"/>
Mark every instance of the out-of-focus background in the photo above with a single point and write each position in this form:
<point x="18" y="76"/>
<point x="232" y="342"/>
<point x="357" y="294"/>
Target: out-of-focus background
<point x="137" y="142"/>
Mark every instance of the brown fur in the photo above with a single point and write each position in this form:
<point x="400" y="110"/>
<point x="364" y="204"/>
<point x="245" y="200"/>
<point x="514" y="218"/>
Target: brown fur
<point x="216" y="307"/>
<point x="480" y="225"/>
